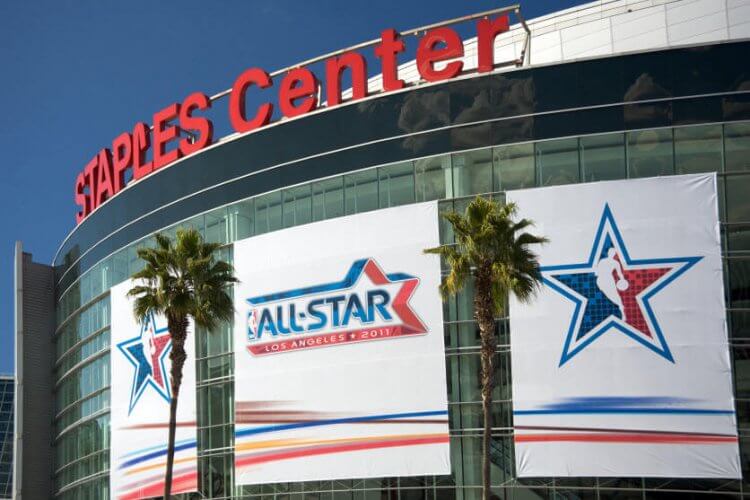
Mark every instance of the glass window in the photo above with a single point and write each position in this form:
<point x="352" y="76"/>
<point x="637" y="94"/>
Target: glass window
<point x="514" y="167"/>
<point x="738" y="238"/>
<point x="215" y="404"/>
<point x="171" y="231"/>
<point x="197" y="223"/>
<point x="557" y="162"/>
<point x="743" y="413"/>
<point x="650" y="153"/>
<point x="134" y="263"/>
<point x="698" y="149"/>
<point x="396" y="184"/>
<point x="268" y="213"/>
<point x="603" y="157"/>
<point x="297" y="206"/>
<point x="215" y="367"/>
<point x="446" y="230"/>
<point x="85" y="289"/>
<point x="739" y="279"/>
<point x="738" y="202"/>
<point x="361" y="191"/>
<point x="472" y="172"/>
<point x="241" y="220"/>
<point x="741" y="371"/>
<point x="215" y="475"/>
<point x="328" y="198"/>
<point x="120" y="266"/>
<point x="740" y="324"/>
<point x="211" y="343"/>
<point x="737" y="146"/>
<point x="433" y="178"/>
<point x="216" y="227"/>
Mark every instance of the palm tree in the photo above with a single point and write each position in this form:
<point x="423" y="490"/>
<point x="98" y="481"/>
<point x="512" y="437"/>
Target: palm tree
<point x="181" y="281"/>
<point x="492" y="247"/>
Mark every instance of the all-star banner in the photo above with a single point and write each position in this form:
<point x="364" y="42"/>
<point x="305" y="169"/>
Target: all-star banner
<point x="339" y="355"/>
<point x="621" y="365"/>
<point x="141" y="392"/>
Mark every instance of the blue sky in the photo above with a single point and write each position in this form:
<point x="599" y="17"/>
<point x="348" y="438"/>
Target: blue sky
<point x="75" y="74"/>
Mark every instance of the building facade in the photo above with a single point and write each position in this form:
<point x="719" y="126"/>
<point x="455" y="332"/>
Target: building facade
<point x="610" y="90"/>
<point x="7" y="391"/>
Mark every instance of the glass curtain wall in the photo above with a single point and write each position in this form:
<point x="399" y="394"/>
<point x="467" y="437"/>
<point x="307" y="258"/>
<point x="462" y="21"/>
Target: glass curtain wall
<point x="82" y="367"/>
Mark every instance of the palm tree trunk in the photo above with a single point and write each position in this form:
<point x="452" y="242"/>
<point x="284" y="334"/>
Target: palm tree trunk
<point x="178" y="333"/>
<point x="484" y="312"/>
<point x="170" y="445"/>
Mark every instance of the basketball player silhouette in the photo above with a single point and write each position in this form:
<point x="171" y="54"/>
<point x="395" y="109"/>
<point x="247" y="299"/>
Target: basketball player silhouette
<point x="606" y="269"/>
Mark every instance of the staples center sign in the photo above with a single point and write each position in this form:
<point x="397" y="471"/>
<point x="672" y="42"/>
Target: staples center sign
<point x="105" y="175"/>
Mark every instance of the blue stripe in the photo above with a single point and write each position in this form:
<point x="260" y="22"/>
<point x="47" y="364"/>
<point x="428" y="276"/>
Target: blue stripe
<point x="335" y="421"/>
<point x="644" y="411"/>
<point x="274" y="428"/>
<point x="399" y="276"/>
<point x="158" y="447"/>
<point x="155" y="454"/>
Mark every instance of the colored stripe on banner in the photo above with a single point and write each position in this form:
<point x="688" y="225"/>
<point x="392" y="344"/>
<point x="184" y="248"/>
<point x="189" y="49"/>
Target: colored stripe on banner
<point x="185" y="445"/>
<point x="643" y="411"/>
<point x="338" y="448"/>
<point x="629" y="437"/>
<point x="335" y="421"/>
<point x="184" y="483"/>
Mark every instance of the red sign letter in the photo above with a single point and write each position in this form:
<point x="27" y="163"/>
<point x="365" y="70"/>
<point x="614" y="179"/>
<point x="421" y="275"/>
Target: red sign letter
<point x="163" y="133"/>
<point x="428" y="55"/>
<point x="90" y="172"/>
<point x="122" y="159"/>
<point x="335" y="66"/>
<point x="141" y="143"/>
<point x="299" y="83"/>
<point x="486" y="32"/>
<point x="104" y="179"/>
<point x="389" y="46"/>
<point x="237" y="101"/>
<point x="203" y="126"/>
<point x="81" y="199"/>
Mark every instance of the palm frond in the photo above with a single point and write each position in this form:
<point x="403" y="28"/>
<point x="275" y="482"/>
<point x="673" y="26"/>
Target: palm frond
<point x="490" y="240"/>
<point x="182" y="278"/>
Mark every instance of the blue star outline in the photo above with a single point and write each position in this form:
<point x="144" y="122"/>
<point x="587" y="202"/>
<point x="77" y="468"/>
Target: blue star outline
<point x="143" y="375"/>
<point x="608" y="235"/>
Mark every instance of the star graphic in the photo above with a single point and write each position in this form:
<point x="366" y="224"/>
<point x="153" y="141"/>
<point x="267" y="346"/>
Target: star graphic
<point x="611" y="292"/>
<point x="147" y="352"/>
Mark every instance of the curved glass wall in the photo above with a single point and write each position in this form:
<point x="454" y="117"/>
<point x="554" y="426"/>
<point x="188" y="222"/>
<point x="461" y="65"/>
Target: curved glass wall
<point x="665" y="88"/>
<point x="82" y="422"/>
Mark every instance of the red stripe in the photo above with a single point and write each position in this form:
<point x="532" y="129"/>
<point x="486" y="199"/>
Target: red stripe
<point x="625" y="438"/>
<point x="285" y="455"/>
<point x="185" y="483"/>
<point x="247" y="420"/>
<point x="158" y="425"/>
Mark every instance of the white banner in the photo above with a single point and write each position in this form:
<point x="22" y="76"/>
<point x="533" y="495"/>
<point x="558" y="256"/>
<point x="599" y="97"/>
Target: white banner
<point x="140" y="388"/>
<point x="621" y="366"/>
<point x="340" y="364"/>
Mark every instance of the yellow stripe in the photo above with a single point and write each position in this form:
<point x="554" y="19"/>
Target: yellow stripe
<point x="285" y="443"/>
<point x="144" y="468"/>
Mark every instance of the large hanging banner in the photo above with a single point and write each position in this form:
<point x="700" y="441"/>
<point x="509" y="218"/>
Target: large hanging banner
<point x="140" y="388"/>
<point x="621" y="365"/>
<point x="339" y="355"/>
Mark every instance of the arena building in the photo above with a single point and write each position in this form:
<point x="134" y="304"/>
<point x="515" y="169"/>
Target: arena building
<point x="608" y="90"/>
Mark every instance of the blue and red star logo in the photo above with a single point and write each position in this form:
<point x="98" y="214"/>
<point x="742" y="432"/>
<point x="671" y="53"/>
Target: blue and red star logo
<point x="147" y="353"/>
<point x="335" y="312"/>
<point x="611" y="292"/>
